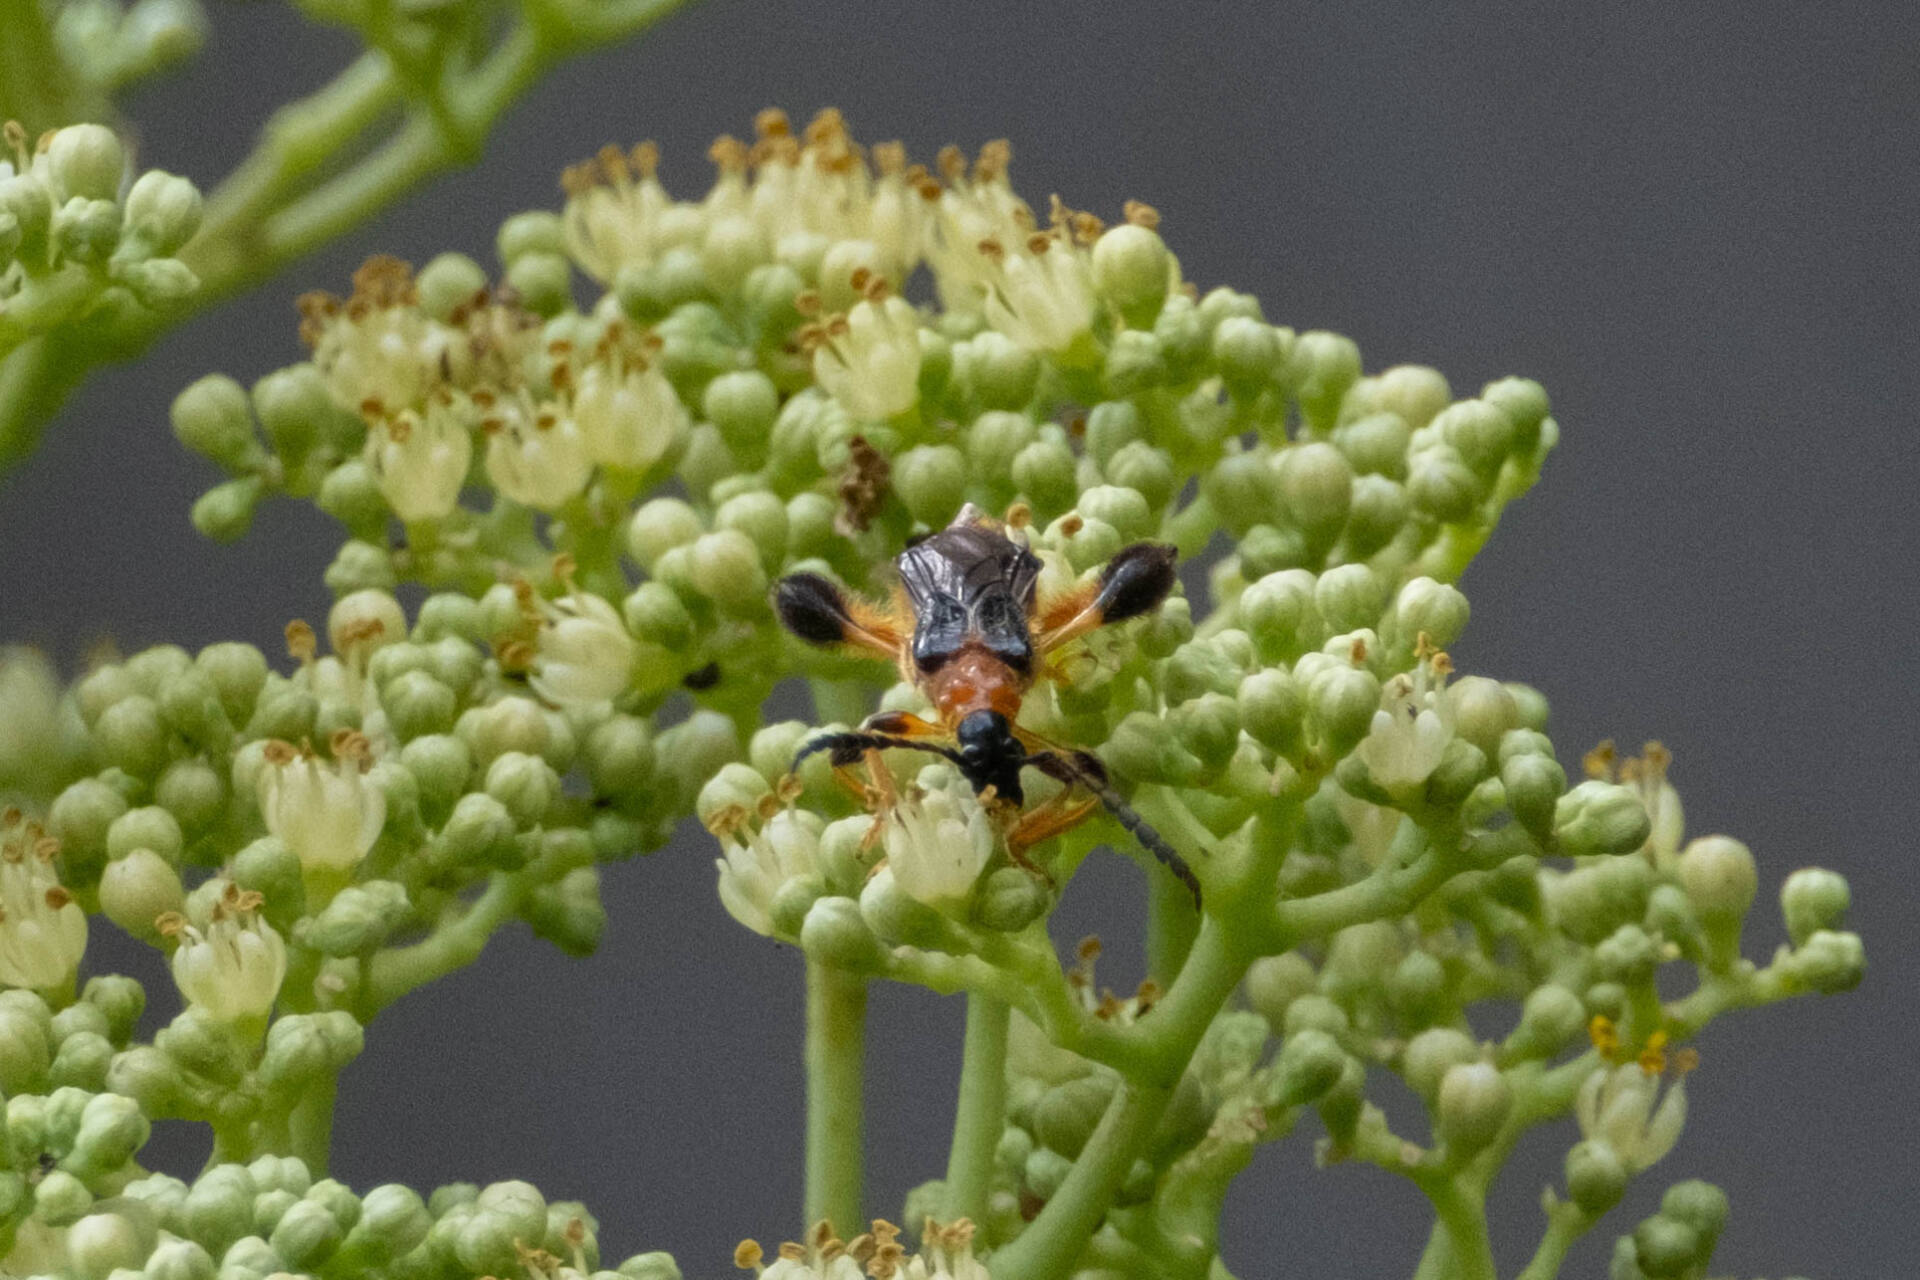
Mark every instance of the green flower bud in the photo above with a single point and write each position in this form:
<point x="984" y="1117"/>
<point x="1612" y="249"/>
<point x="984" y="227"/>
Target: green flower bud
<point x="1828" y="962"/>
<point x="726" y="568"/>
<point x="191" y="791"/>
<point x="417" y="705"/>
<point x="1092" y="545"/>
<point x="448" y="282"/>
<point x="441" y="766"/>
<point x="1043" y="472"/>
<point x="307" y="1234"/>
<point x="360" y="566"/>
<point x="535" y="231"/>
<point x="1350" y="597"/>
<point x="1700" y="1205"/>
<point x="82" y="1062"/>
<point x="1442" y="485"/>
<point x="1600" y="817"/>
<point x="179" y="1260"/>
<point x="995" y="439"/>
<point x="654" y="613"/>
<point x="1249" y="354"/>
<point x="1317" y="1013"/>
<point x="75" y="1019"/>
<point x="735" y="786"/>
<point x="159" y="283"/>
<point x="1208" y="727"/>
<point x="1279" y="612"/>
<point x="351" y="495"/>
<point x="102" y="1243"/>
<point x="132" y="737"/>
<point x="1596" y="1177"/>
<point x="448" y="615"/>
<point x="1418" y="988"/>
<point x="1627" y="956"/>
<point x="659" y="526"/>
<point x="219" y="1209"/>
<point x="1531" y="705"/>
<point x="1066" y="1115"/>
<point x="86" y="160"/>
<point x="743" y="406"/>
<point x="657" y="1265"/>
<point x="999" y="372"/>
<point x="898" y="918"/>
<point x="1111" y="426"/>
<point x="79" y="820"/>
<point x="1666" y="1248"/>
<point x="762" y="517"/>
<point x="211" y="418"/>
<point x="1525" y="402"/>
<point x="526" y="785"/>
<point x="511" y="724"/>
<point x="1413" y="392"/>
<point x="1719" y="876"/>
<point x="269" y="1207"/>
<point x="1272" y="710"/>
<point x="1475" y="1100"/>
<point x="285" y="710"/>
<point x="120" y="1001"/>
<point x="1481" y="433"/>
<point x="1045" y="1171"/>
<point x="1135" y="362"/>
<point x="281" y="1173"/>
<point x="29" y="204"/>
<point x="810" y="520"/>
<point x="1310" y="1063"/>
<point x="1376" y="444"/>
<point x="1430" y="1055"/>
<point x="931" y="481"/>
<point x="503" y="1213"/>
<point x="1316" y="486"/>
<point x="1145" y="470"/>
<point x="1379" y="512"/>
<point x="619" y="757"/>
<point x="1009" y="900"/>
<point x="772" y="748"/>
<point x="358" y="919"/>
<point x="835" y="933"/>
<point x="142" y="1073"/>
<point x="1534" y="785"/>
<point x="1140" y="748"/>
<point x="1813" y="899"/>
<point x="569" y="913"/>
<point x="1322" y="367"/>
<point x="693" y="751"/>
<point x="1550" y="1018"/>
<point x="1133" y="272"/>
<point x="480" y="833"/>
<point x="1433" y="609"/>
<point x="295" y="408"/>
<point x="60" y="1199"/>
<point x="393" y="1221"/>
<point x="151" y="828"/>
<point x="1275" y="982"/>
<point x="136" y="889"/>
<point x="1341" y="700"/>
<point x="1126" y="511"/>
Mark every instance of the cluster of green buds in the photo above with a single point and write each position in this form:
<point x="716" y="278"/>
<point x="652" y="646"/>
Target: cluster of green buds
<point x="1381" y="846"/>
<point x="83" y="243"/>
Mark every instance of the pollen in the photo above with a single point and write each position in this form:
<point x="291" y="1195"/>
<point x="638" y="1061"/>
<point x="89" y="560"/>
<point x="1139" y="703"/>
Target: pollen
<point x="1141" y="214"/>
<point x="301" y="643"/>
<point x="1605" y="1036"/>
<point x="1653" y="1055"/>
<point x="747" y="1255"/>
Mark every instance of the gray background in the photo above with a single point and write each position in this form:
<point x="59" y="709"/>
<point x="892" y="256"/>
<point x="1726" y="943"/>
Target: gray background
<point x="1693" y="223"/>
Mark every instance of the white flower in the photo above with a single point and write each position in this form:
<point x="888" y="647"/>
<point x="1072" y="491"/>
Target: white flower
<point x="869" y="359"/>
<point x="1039" y="291"/>
<point x="1412" y="728"/>
<point x="615" y="211"/>
<point x="420" y="460"/>
<point x="970" y="212"/>
<point x="938" y="837"/>
<point x="946" y="1253"/>
<point x="324" y="811"/>
<point x="534" y="454"/>
<point x="43" y="932"/>
<point x="376" y="349"/>
<point x="1616" y="1106"/>
<point x="757" y="863"/>
<point x="627" y="412"/>
<point x="582" y="653"/>
<point x="234" y="969"/>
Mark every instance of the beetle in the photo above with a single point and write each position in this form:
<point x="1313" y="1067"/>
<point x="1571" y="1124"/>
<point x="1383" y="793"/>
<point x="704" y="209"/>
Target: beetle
<point x="966" y="627"/>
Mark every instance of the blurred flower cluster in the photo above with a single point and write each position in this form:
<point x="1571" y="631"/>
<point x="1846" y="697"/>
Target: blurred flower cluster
<point x="588" y="470"/>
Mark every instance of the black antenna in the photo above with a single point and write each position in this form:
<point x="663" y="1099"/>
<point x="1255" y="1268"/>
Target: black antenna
<point x="847" y="748"/>
<point x="1084" y="769"/>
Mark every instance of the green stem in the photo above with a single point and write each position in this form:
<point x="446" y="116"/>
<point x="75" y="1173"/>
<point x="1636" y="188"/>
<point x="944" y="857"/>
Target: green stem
<point x="981" y="1113"/>
<point x="1565" y="1224"/>
<point x="1464" y="1218"/>
<point x="37" y="87"/>
<point x="1051" y="1243"/>
<point x="836" y="1068"/>
<point x="310" y="1127"/>
<point x="453" y="944"/>
<point x="1172" y="924"/>
<point x="1436" y="1260"/>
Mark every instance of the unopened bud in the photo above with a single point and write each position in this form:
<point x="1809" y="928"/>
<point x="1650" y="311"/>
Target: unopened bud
<point x="1813" y="899"/>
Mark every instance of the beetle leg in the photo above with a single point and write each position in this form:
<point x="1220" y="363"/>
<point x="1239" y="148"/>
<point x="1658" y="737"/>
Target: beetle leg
<point x="818" y="611"/>
<point x="1134" y="582"/>
<point x="902" y="724"/>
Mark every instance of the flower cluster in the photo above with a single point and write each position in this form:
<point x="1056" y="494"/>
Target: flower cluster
<point x="77" y="240"/>
<point x="592" y="496"/>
